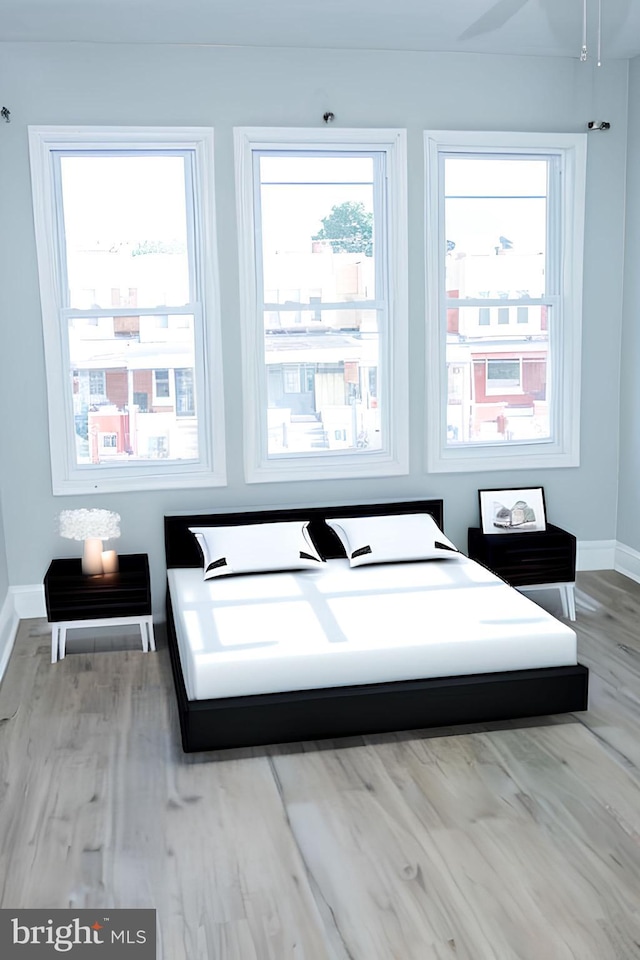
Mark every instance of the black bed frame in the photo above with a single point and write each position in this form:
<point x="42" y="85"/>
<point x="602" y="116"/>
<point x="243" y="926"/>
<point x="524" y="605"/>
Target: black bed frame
<point x="364" y="709"/>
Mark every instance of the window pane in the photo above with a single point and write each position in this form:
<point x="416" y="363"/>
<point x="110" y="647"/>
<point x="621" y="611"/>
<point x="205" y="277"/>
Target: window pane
<point x="317" y="228"/>
<point x="322" y="385"/>
<point x="497" y="376"/>
<point x="125" y="230"/>
<point x="493" y="177"/>
<point x="495" y="227"/>
<point x="132" y="395"/>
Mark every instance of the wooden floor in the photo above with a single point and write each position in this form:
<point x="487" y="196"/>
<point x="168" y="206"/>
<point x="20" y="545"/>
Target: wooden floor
<point x="480" y="844"/>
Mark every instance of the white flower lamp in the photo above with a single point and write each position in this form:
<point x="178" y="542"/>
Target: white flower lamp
<point x="92" y="526"/>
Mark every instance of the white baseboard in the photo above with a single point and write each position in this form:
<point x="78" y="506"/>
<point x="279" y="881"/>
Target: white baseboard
<point x="9" y="622"/>
<point x="596" y="555"/>
<point x="627" y="561"/>
<point x="29" y="600"/>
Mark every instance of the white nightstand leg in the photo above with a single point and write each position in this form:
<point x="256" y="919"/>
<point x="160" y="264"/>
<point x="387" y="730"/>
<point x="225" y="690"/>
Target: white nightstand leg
<point x="152" y="639"/>
<point x="62" y="647"/>
<point x="54" y="643"/>
<point x="571" y="600"/>
<point x="146" y="632"/>
<point x="562" y="587"/>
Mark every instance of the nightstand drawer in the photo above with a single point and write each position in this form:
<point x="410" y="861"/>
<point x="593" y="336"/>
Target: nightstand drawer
<point x="547" y="556"/>
<point x="70" y="595"/>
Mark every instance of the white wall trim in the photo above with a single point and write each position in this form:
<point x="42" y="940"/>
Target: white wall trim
<point x="28" y="601"/>
<point x="9" y="622"/>
<point x="596" y="555"/>
<point x="627" y="561"/>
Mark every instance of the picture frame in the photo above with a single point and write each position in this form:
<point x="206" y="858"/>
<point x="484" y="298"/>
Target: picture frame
<point x="512" y="510"/>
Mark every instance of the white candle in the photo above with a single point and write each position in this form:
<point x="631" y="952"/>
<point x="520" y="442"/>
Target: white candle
<point x="110" y="561"/>
<point x="92" y="556"/>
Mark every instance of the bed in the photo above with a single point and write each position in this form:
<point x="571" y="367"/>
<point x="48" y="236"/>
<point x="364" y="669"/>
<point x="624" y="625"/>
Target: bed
<point x="337" y="650"/>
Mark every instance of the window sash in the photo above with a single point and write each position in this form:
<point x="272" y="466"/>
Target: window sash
<point x="47" y="145"/>
<point x="566" y="154"/>
<point x="291" y="306"/>
<point x="393" y="457"/>
<point x="191" y="198"/>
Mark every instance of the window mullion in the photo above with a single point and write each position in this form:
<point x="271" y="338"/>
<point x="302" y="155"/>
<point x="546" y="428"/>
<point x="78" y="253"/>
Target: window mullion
<point x="186" y="309"/>
<point x="293" y="306"/>
<point x="456" y="303"/>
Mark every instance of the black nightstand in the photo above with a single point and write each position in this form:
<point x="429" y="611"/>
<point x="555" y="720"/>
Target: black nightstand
<point x="533" y="561"/>
<point x="76" y="600"/>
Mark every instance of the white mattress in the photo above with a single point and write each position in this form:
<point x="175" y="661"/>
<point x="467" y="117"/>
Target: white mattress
<point x="270" y="632"/>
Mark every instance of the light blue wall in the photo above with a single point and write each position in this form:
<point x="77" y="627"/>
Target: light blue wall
<point x="4" y="570"/>
<point x="131" y="84"/>
<point x="628" y="531"/>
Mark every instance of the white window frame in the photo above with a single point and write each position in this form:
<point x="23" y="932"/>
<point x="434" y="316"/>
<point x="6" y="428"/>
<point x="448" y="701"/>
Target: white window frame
<point x="393" y="458"/>
<point x="566" y="243"/>
<point x="68" y="477"/>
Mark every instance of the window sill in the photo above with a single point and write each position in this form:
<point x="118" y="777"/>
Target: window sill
<point x="176" y="480"/>
<point x="483" y="458"/>
<point x="347" y="467"/>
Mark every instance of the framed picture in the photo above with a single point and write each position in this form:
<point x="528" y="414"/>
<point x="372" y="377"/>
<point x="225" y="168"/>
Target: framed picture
<point x="519" y="510"/>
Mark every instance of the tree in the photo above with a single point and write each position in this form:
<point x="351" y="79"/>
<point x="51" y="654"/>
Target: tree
<point x="349" y="229"/>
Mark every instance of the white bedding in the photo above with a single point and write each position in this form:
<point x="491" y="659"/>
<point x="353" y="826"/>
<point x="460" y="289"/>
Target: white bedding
<point x="270" y="632"/>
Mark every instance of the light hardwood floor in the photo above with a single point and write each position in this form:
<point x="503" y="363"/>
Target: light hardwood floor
<point x="476" y="844"/>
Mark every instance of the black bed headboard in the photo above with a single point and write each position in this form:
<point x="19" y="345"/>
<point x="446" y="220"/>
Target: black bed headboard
<point x="181" y="549"/>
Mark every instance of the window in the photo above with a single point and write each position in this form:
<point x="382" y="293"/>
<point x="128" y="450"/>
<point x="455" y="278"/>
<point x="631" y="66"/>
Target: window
<point x="505" y="220"/>
<point x="97" y="388"/>
<point x="291" y="378"/>
<point x="158" y="448"/>
<point x="324" y="302"/>
<point x="503" y="376"/>
<point x="161" y="386"/>
<point x="126" y="251"/>
<point x="185" y="395"/>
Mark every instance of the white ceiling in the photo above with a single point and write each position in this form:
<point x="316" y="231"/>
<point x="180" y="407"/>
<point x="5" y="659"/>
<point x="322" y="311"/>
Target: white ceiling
<point x="529" y="27"/>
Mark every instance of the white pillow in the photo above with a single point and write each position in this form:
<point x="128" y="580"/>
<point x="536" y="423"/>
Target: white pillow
<point x="388" y="539"/>
<point x="254" y="547"/>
